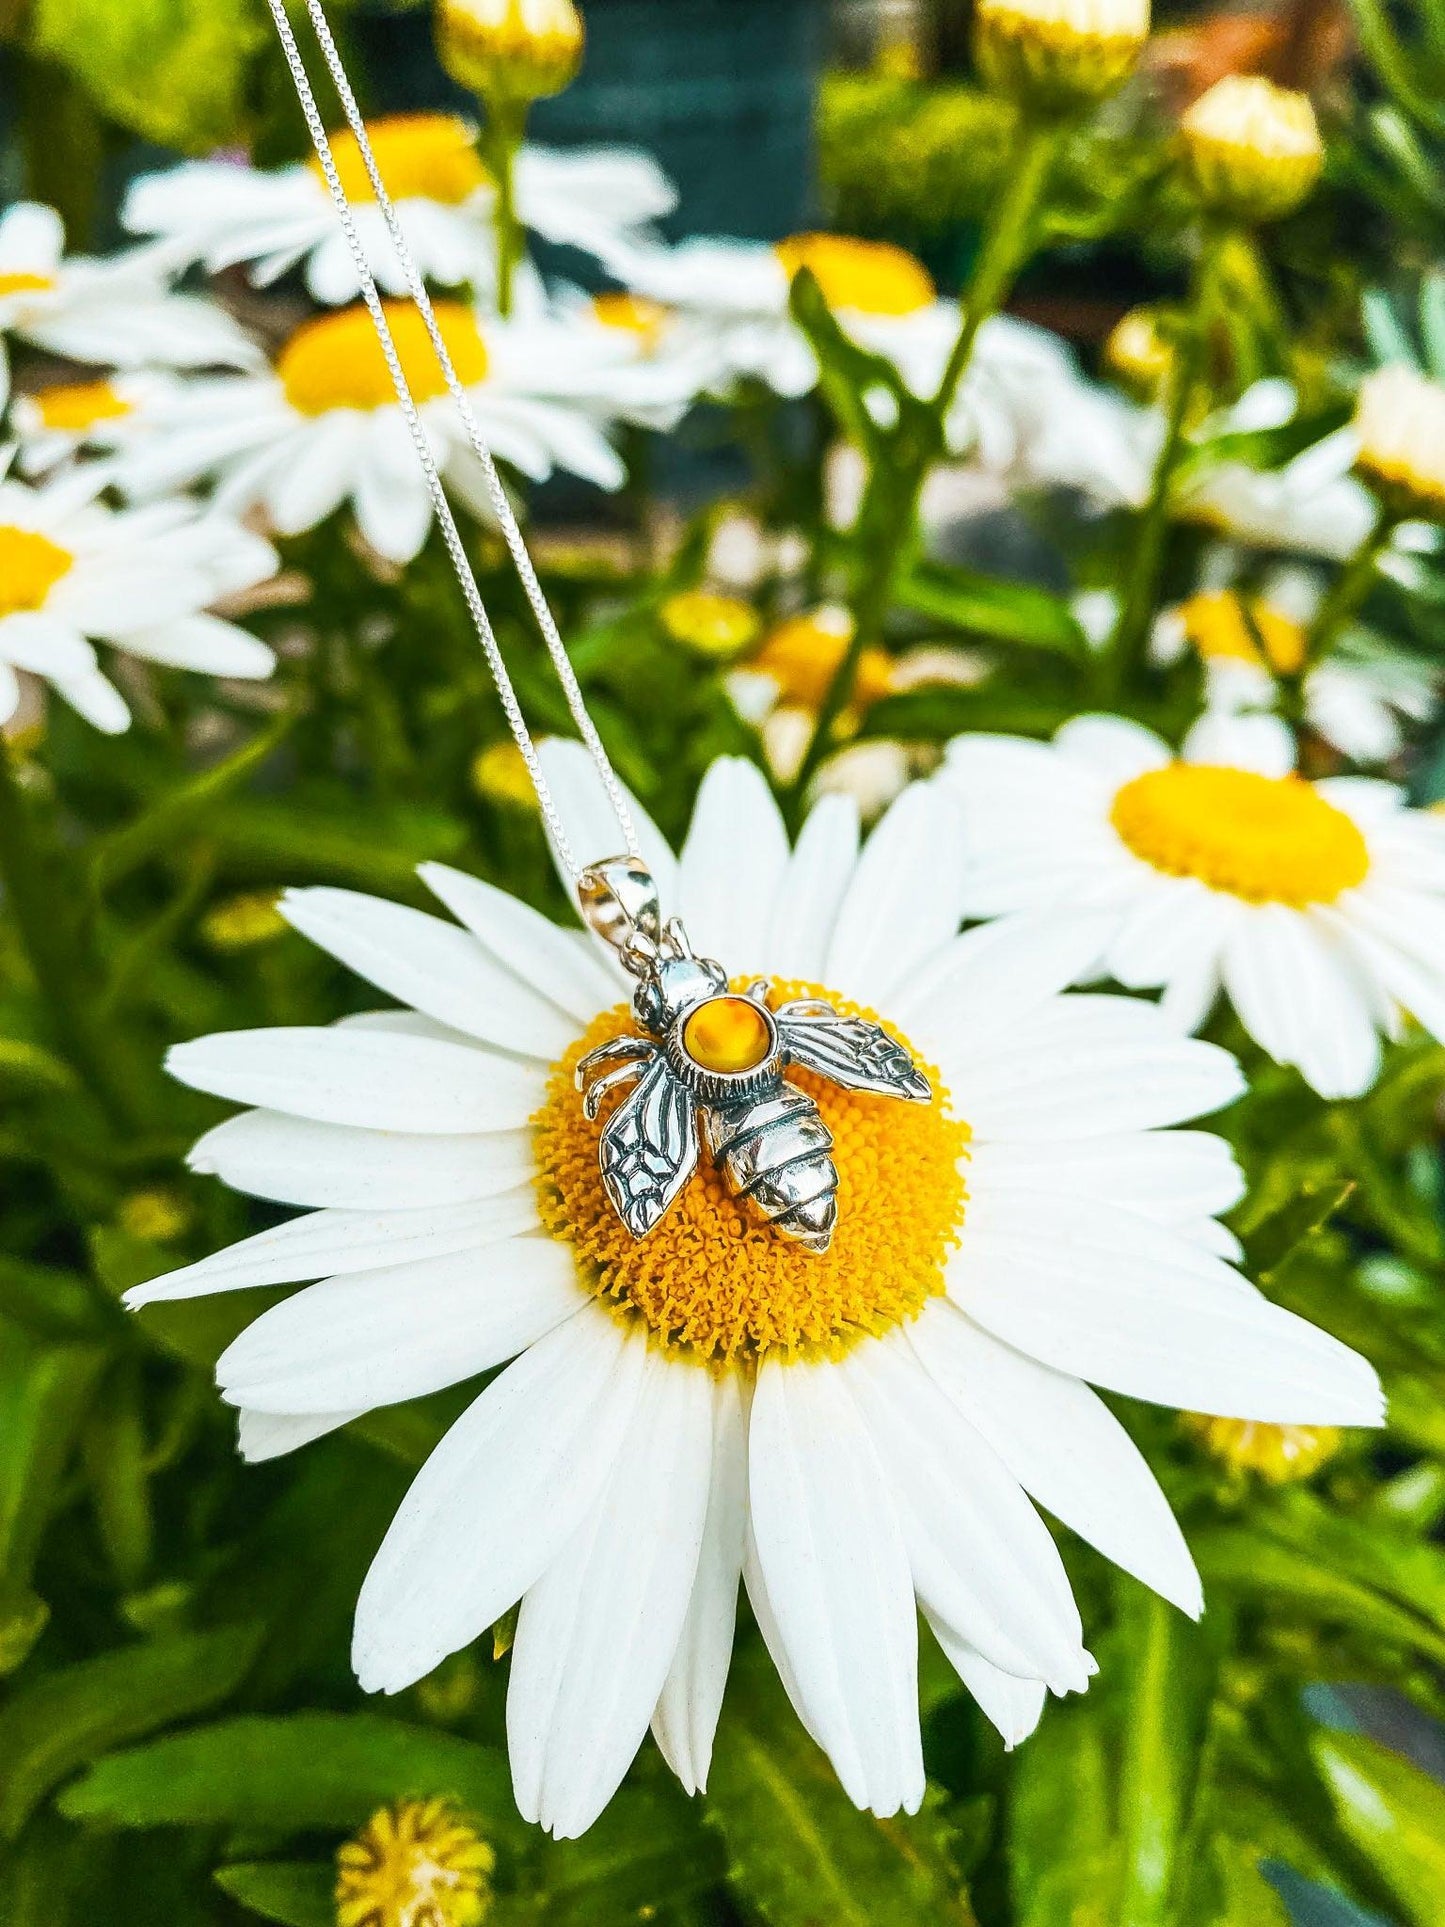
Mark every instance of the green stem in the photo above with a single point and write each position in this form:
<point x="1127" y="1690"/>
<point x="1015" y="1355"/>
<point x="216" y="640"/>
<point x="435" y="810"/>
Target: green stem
<point x="508" y="121"/>
<point x="890" y="503"/>
<point x="1149" y="1794"/>
<point x="47" y="923"/>
<point x="1131" y="632"/>
<point x="1346" y="594"/>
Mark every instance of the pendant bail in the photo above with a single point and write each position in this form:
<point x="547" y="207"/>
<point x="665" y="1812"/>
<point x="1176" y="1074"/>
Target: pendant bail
<point x="619" y="903"/>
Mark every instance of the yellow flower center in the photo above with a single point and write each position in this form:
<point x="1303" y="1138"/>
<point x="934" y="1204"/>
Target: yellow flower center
<point x="1233" y="628"/>
<point x="713" y="1282"/>
<point x="336" y="361"/>
<point x="30" y="566"/>
<point x="868" y="277"/>
<point x="1268" y="839"/>
<point x="500" y="775"/>
<point x="73" y="406"/>
<point x="713" y="625"/>
<point x="414" y="1864"/>
<point x="632" y="314"/>
<point x="802" y="655"/>
<point x="419" y="157"/>
<point x="22" y="282"/>
<point x="1282" y="1454"/>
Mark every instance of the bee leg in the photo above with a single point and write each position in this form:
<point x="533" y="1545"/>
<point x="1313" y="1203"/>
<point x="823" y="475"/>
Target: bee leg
<point x="628" y="1057"/>
<point x="757" y="990"/>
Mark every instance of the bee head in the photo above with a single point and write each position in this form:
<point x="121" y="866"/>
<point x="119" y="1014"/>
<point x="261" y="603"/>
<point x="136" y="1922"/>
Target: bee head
<point x="673" y="985"/>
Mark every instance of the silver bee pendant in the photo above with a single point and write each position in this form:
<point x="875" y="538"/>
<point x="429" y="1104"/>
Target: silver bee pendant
<point x="709" y="1072"/>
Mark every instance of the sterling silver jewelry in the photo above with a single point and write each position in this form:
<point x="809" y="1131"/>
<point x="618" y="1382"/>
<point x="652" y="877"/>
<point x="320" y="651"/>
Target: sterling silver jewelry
<point x="709" y="1068"/>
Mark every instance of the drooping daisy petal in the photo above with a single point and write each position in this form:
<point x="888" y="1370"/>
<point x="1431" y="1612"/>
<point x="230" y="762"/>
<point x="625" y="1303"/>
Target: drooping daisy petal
<point x="832" y="1552"/>
<point x="383" y="1336"/>
<point x="554" y="962"/>
<point x="498" y="1499"/>
<point x="270" y="1435"/>
<point x="362" y="1078"/>
<point x="1065" y="1448"/>
<point x="686" y="1716"/>
<point x="1015" y="1706"/>
<point x="982" y="1560"/>
<point x="595" y="1632"/>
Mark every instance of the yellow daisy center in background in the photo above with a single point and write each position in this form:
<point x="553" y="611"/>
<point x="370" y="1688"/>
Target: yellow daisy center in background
<point x="715" y="1283"/>
<point x="30" y="566"/>
<point x="870" y="277"/>
<point x="419" y="156"/>
<point x="73" y="406"/>
<point x="712" y="625"/>
<point x="22" y="282"/>
<point x="1282" y="1454"/>
<point x="803" y="655"/>
<point x="414" y="1864"/>
<point x="1231" y="628"/>
<point x="631" y="314"/>
<point x="336" y="361"/>
<point x="1268" y="839"/>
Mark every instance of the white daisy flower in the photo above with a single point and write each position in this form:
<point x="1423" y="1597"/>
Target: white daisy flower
<point x="1355" y="700"/>
<point x="113" y="313"/>
<point x="73" y="572"/>
<point x="1318" y="907"/>
<point x="221" y="213"/>
<point x="53" y="424"/>
<point x="322" y="426"/>
<point x="855" y="1432"/>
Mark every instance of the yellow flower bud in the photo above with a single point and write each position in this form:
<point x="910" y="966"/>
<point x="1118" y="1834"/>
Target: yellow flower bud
<point x="417" y="1863"/>
<point x="1400" y="426"/>
<point x="240" y="922"/>
<point x="157" y="1216"/>
<point x="499" y="775"/>
<point x="717" y="626"/>
<point x="1139" y="352"/>
<point x="1279" y="1454"/>
<point x="510" y="50"/>
<point x="1253" y="150"/>
<point x="1059" y="54"/>
<point x="1226" y="627"/>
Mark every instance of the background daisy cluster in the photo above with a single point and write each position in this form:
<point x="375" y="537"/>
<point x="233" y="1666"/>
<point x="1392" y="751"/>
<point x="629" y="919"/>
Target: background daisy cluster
<point x="1175" y="522"/>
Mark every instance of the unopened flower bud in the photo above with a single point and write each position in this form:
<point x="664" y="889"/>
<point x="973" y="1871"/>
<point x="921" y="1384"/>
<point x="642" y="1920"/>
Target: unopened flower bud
<point x="510" y="50"/>
<point x="1253" y="150"/>
<point x="1059" y="54"/>
<point x="1279" y="1454"/>
<point x="1400" y="428"/>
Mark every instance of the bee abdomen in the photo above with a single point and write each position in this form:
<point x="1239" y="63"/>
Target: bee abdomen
<point x="776" y="1153"/>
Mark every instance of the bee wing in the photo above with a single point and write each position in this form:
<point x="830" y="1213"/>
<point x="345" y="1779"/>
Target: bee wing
<point x="649" y="1148"/>
<point x="854" y="1053"/>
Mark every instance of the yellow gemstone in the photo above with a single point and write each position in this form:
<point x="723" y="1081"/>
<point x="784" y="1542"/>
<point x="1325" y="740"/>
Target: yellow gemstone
<point x="726" y="1034"/>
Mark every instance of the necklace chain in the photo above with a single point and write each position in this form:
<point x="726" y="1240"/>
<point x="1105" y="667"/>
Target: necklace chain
<point x="496" y="492"/>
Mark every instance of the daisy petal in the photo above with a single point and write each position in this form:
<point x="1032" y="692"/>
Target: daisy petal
<point x="595" y="1633"/>
<point x="270" y="1435"/>
<point x="556" y="963"/>
<point x="497" y="1500"/>
<point x="1292" y="986"/>
<point x="432" y="965"/>
<point x="905" y="898"/>
<point x="1251" y="741"/>
<point x="384" y="1336"/>
<point x="833" y="1559"/>
<point x="1065" y="1448"/>
<point x="1113" y="746"/>
<point x="591" y="825"/>
<point x="1015" y="1706"/>
<point x="685" y="1718"/>
<point x="370" y="1079"/>
<point x="731" y="863"/>
<point x="812" y="887"/>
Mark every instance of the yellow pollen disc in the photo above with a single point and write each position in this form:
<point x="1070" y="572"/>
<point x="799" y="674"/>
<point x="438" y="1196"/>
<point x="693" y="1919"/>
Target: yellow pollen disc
<point x="803" y="654"/>
<point x="1282" y="1454"/>
<point x="414" y="1864"/>
<point x="336" y="361"/>
<point x="30" y="566"/>
<point x="1230" y="628"/>
<point x="714" y="1283"/>
<point x="1268" y="839"/>
<point x="419" y="157"/>
<point x="73" y="406"/>
<point x="869" y="277"/>
<point x="716" y="626"/>
<point x="631" y="314"/>
<point x="23" y="283"/>
<point x="726" y="1034"/>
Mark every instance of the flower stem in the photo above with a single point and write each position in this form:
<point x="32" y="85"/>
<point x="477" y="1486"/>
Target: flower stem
<point x="44" y="916"/>
<point x="1348" y="591"/>
<point x="1131" y="632"/>
<point x="890" y="503"/>
<point x="508" y="125"/>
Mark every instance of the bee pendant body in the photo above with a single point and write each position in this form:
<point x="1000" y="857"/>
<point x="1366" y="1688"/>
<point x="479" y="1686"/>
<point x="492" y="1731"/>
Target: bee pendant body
<point x="710" y="1072"/>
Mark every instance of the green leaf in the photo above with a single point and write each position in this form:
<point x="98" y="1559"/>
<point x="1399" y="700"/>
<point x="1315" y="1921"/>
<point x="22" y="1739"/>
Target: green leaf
<point x="63" y="1719"/>
<point x="44" y="1391"/>
<point x="173" y="71"/>
<point x="863" y="389"/>
<point x="649" y="1843"/>
<point x="50" y="1303"/>
<point x="376" y="849"/>
<point x="298" y="1893"/>
<point x="799" y="1852"/>
<point x="1063" y="1854"/>
<point x="24" y="1616"/>
<point x="982" y="605"/>
<point x="1272" y="1242"/>
<point x="1395" y="1814"/>
<point x="292" y="1774"/>
<point x="28" y="1070"/>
